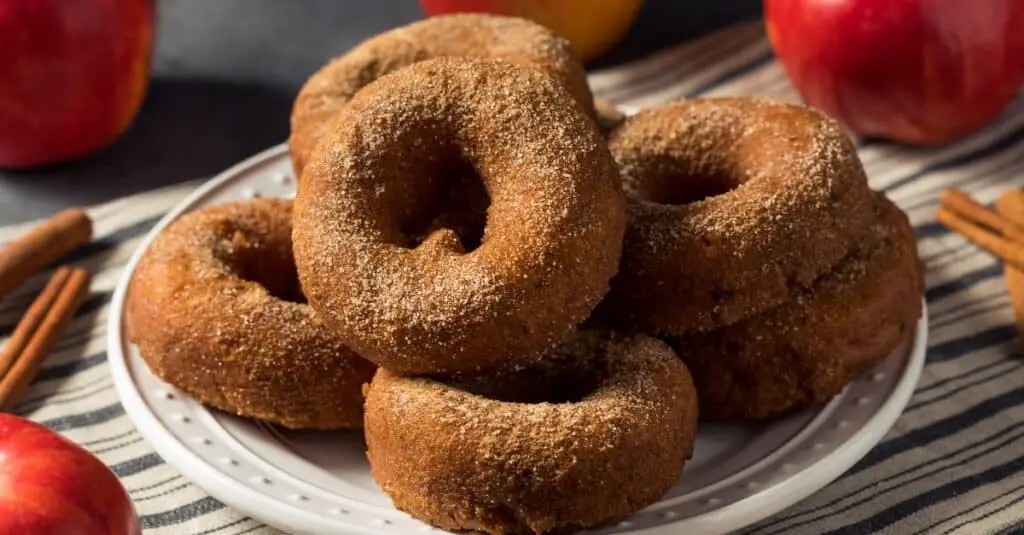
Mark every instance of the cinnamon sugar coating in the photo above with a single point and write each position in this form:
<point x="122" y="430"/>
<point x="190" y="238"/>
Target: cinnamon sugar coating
<point x="735" y="204"/>
<point x="488" y="457"/>
<point x="212" y="309"/>
<point x="808" y="349"/>
<point x="553" y="231"/>
<point x="478" y="36"/>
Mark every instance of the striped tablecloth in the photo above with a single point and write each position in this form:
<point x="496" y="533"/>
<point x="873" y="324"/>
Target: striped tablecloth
<point x="954" y="462"/>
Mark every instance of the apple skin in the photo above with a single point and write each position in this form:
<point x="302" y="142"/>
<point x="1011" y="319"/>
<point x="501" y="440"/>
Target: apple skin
<point x="591" y="27"/>
<point x="916" y="71"/>
<point x="72" y="76"/>
<point x="50" y="486"/>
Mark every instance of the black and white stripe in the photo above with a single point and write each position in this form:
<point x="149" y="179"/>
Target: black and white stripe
<point x="954" y="462"/>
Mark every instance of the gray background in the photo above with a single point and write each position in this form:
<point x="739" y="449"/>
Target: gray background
<point x="226" y="71"/>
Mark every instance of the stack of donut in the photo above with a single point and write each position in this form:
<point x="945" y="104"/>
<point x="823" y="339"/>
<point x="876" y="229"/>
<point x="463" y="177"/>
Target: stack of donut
<point x="491" y="410"/>
<point x="755" y="248"/>
<point x="467" y="244"/>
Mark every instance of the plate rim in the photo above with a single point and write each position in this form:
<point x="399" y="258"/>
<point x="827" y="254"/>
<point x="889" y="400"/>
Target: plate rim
<point x="800" y="485"/>
<point x="733" y="516"/>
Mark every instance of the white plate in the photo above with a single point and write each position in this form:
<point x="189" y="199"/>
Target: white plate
<point x="319" y="483"/>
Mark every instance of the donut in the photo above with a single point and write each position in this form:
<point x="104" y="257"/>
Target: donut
<point x="553" y="231"/>
<point x="808" y="349"/>
<point x="734" y="204"/>
<point x="215" y="309"/>
<point x="598" y="431"/>
<point x="460" y="35"/>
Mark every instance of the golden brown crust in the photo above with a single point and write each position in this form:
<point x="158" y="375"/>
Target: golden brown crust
<point x="207" y="307"/>
<point x="734" y="205"/>
<point x="808" y="349"/>
<point x="478" y="36"/>
<point x="461" y="460"/>
<point x="553" y="228"/>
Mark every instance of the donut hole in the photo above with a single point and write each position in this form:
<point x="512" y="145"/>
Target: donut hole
<point x="282" y="282"/>
<point x="457" y="201"/>
<point x="675" y="184"/>
<point x="270" y="265"/>
<point x="533" y="386"/>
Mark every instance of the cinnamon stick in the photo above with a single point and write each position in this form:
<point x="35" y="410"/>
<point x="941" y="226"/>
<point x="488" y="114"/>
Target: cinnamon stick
<point x="27" y="363"/>
<point x="959" y="202"/>
<point x="30" y="322"/>
<point x="1011" y="206"/>
<point x="39" y="247"/>
<point x="1009" y="250"/>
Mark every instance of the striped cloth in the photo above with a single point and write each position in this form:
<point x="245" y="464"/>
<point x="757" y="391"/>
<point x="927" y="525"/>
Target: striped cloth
<point x="954" y="462"/>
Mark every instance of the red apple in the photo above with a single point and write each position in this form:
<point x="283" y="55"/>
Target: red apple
<point x="590" y="26"/>
<point x="72" y="75"/>
<point x="918" y="71"/>
<point x="50" y="486"/>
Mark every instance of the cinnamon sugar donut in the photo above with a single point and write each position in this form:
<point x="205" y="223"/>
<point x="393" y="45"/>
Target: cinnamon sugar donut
<point x="735" y="204"/>
<point x="460" y="35"/>
<point x="553" y="228"/>
<point x="215" y="309"/>
<point x="597" y="432"/>
<point x="808" y="349"/>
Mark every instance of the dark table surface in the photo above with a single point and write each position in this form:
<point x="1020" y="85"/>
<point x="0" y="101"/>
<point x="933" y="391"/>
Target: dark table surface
<point x="226" y="72"/>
